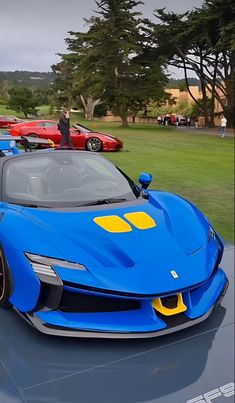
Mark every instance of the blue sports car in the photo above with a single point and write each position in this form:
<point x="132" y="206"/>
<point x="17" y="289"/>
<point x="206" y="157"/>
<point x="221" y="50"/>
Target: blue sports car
<point x="84" y="251"/>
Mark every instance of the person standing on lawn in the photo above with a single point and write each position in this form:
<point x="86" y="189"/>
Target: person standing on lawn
<point x="64" y="126"/>
<point x="223" y="124"/>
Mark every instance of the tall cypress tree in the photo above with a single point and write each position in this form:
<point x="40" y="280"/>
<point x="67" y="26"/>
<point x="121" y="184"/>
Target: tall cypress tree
<point x="109" y="58"/>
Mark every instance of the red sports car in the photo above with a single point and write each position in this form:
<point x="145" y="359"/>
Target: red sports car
<point x="15" y="129"/>
<point x="82" y="137"/>
<point x="8" y="120"/>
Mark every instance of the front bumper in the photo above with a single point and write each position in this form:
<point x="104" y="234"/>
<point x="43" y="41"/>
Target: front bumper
<point x="141" y="322"/>
<point x="112" y="146"/>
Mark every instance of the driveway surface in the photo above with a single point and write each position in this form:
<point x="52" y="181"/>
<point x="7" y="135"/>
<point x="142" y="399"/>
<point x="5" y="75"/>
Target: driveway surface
<point x="35" y="368"/>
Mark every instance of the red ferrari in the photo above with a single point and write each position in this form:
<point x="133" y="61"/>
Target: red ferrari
<point x="15" y="129"/>
<point x="8" y="120"/>
<point x="82" y="137"/>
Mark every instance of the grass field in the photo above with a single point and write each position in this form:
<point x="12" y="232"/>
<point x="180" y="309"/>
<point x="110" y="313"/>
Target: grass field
<point x="196" y="166"/>
<point x="42" y="110"/>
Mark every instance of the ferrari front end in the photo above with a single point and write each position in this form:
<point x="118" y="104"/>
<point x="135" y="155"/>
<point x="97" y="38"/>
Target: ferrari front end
<point x="68" y="308"/>
<point x="111" y="143"/>
<point x="85" y="314"/>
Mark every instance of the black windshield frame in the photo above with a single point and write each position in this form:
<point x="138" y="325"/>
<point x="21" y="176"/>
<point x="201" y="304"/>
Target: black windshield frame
<point x="81" y="128"/>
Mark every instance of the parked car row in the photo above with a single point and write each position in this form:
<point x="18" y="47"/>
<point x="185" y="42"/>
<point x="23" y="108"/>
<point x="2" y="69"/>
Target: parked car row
<point x="175" y="120"/>
<point x="180" y="121"/>
<point x="82" y="137"/>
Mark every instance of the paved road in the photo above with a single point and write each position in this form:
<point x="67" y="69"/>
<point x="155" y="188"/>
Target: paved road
<point x="203" y="130"/>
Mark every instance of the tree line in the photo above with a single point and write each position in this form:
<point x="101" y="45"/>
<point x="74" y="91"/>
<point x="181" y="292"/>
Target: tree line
<point x="122" y="57"/>
<point x="24" y="91"/>
<point x="31" y="79"/>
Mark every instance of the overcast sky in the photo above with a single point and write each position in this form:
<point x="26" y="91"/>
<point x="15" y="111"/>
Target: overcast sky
<point x="33" y="31"/>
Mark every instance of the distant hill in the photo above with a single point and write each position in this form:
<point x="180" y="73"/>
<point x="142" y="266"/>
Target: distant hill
<point x="37" y="80"/>
<point x="31" y="79"/>
<point x="181" y="84"/>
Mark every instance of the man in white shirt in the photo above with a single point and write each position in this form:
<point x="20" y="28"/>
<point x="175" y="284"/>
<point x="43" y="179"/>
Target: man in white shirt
<point x="223" y="124"/>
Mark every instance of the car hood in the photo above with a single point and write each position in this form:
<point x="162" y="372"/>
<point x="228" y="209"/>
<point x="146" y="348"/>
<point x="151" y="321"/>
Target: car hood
<point x="110" y="136"/>
<point x="140" y="261"/>
<point x="95" y="133"/>
<point x="107" y="135"/>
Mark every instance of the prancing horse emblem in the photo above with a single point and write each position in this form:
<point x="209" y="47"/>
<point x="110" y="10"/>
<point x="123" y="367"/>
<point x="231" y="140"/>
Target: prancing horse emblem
<point x="174" y="274"/>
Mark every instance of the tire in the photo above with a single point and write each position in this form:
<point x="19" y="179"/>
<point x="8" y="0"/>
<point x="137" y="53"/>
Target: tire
<point x="5" y="283"/>
<point x="94" y="144"/>
<point x="34" y="146"/>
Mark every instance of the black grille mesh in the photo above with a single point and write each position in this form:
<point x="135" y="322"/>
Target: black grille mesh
<point x="76" y="302"/>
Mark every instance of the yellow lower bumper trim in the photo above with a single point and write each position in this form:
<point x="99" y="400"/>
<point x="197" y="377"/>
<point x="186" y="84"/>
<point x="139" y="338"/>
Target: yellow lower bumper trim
<point x="181" y="307"/>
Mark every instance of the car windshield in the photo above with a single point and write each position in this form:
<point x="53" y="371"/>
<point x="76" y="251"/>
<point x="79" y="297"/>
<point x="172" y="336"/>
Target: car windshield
<point x="64" y="179"/>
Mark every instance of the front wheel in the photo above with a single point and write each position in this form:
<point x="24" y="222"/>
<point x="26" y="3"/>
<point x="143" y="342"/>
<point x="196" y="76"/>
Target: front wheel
<point x="4" y="284"/>
<point x="94" y="144"/>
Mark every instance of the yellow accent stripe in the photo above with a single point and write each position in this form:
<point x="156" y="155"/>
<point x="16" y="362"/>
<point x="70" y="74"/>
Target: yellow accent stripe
<point x="113" y="223"/>
<point x="140" y="220"/>
<point x="181" y="307"/>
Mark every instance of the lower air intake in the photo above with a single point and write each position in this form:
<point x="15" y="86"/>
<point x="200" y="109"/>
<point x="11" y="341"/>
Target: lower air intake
<point x="83" y="303"/>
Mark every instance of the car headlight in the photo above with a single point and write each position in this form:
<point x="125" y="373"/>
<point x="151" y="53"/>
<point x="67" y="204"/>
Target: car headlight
<point x="43" y="265"/>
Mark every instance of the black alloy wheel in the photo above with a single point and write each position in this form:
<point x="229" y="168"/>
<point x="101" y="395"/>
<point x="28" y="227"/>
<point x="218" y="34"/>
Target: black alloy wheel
<point x="33" y="145"/>
<point x="94" y="144"/>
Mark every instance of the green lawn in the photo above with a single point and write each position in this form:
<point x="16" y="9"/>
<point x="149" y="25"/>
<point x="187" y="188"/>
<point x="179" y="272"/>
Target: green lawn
<point x="42" y="110"/>
<point x="5" y="111"/>
<point x="196" y="166"/>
